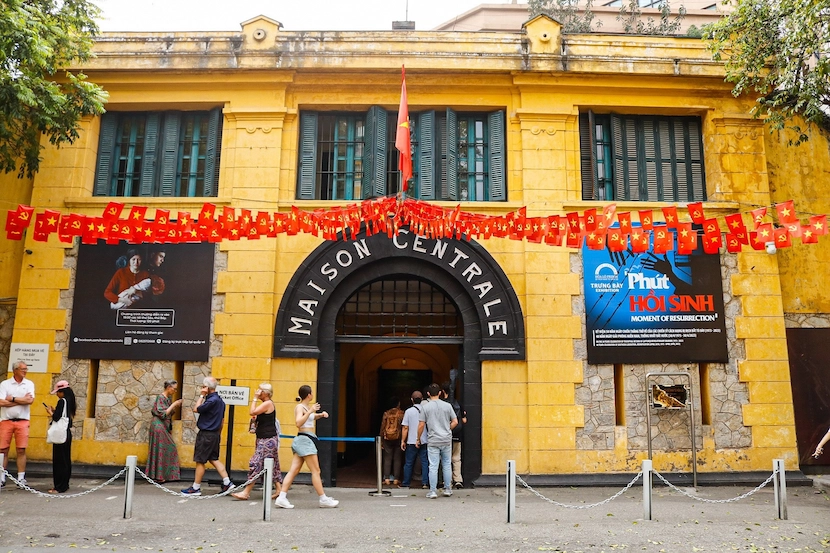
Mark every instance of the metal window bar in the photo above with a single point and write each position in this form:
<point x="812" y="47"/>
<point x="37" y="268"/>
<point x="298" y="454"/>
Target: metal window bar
<point x="190" y="174"/>
<point x="399" y="307"/>
<point x="472" y="158"/>
<point x="340" y="156"/>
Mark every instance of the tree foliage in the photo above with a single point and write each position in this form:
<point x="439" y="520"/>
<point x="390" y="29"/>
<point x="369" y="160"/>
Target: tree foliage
<point x="779" y="50"/>
<point x="39" y="39"/>
<point x="634" y="22"/>
<point x="573" y="17"/>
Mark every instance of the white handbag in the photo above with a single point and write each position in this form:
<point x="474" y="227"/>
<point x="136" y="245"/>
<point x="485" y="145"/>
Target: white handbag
<point x="56" y="433"/>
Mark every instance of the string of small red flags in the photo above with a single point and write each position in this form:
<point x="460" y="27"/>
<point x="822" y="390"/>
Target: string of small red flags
<point x="597" y="228"/>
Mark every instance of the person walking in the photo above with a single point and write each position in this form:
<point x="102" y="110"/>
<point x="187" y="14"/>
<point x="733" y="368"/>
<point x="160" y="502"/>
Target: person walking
<point x="16" y="396"/>
<point x="211" y="410"/>
<point x="390" y="433"/>
<point x="305" y="448"/>
<point x="163" y="456"/>
<point x="267" y="440"/>
<point x="413" y="445"/>
<point x="440" y="419"/>
<point x="62" y="453"/>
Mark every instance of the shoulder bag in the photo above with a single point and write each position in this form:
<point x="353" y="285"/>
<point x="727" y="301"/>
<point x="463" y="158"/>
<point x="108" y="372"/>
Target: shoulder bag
<point x="56" y="433"/>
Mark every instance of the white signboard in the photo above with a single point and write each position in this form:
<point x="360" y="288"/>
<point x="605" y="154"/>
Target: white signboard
<point x="234" y="395"/>
<point x="36" y="356"/>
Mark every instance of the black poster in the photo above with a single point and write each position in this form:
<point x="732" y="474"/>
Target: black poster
<point x="145" y="302"/>
<point x="647" y="308"/>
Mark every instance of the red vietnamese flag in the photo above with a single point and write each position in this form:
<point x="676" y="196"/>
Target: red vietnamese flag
<point x="663" y="239"/>
<point x="711" y="232"/>
<point x="756" y="241"/>
<point x="263" y="222"/>
<point x="819" y="224"/>
<point x="553" y="237"/>
<point x="23" y="216"/>
<point x="402" y="139"/>
<point x="786" y="212"/>
<point x="113" y="211"/>
<point x="734" y="222"/>
<point x="639" y="240"/>
<point x="595" y="241"/>
<point x="758" y="216"/>
<point x="808" y="235"/>
<point x="608" y="214"/>
<point x="616" y="240"/>
<point x="244" y="221"/>
<point x="137" y="214"/>
<point x="782" y="238"/>
<point x="12" y="221"/>
<point x="794" y="229"/>
<point x="40" y="233"/>
<point x="686" y="238"/>
<point x="207" y="213"/>
<point x="670" y="216"/>
<point x="765" y="233"/>
<point x="162" y="216"/>
<point x="52" y="219"/>
<point x="625" y="222"/>
<point x="646" y="219"/>
<point x="696" y="212"/>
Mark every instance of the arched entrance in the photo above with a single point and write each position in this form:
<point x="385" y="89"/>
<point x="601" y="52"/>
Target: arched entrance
<point x="488" y="324"/>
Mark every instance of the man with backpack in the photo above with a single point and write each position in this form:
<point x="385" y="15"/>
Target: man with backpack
<point x="410" y="443"/>
<point x="390" y="433"/>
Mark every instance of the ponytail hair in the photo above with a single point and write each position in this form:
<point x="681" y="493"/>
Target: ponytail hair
<point x="303" y="392"/>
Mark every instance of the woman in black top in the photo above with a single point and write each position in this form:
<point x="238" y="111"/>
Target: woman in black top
<point x="62" y="453"/>
<point x="267" y="440"/>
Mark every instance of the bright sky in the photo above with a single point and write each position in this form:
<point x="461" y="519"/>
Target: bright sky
<point x="295" y="15"/>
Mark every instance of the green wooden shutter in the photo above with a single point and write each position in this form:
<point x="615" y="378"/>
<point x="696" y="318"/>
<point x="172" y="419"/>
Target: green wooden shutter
<point x="375" y="153"/>
<point x="692" y="153"/>
<point x="148" y="157"/>
<point x="497" y="156"/>
<point x="587" y="148"/>
<point x="307" y="175"/>
<point x="210" y="184"/>
<point x="426" y="155"/>
<point x="651" y="160"/>
<point x="624" y="151"/>
<point x="170" y="152"/>
<point x="106" y="152"/>
<point x="451" y="154"/>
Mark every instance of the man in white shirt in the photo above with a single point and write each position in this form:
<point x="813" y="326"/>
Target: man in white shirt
<point x="16" y="395"/>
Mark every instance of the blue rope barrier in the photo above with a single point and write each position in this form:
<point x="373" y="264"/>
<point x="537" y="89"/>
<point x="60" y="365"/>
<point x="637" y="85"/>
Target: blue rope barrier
<point x="334" y="439"/>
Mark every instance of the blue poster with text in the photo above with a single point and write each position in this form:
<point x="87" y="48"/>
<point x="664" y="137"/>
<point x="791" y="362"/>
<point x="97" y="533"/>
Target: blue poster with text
<point x="653" y="308"/>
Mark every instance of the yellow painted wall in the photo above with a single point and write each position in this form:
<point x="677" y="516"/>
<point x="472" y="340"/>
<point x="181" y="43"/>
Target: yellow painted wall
<point x="529" y="409"/>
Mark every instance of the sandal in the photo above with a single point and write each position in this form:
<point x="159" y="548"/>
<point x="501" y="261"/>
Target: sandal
<point x="239" y="496"/>
<point x="53" y="491"/>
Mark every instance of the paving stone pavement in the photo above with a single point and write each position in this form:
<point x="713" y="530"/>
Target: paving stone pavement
<point x="470" y="520"/>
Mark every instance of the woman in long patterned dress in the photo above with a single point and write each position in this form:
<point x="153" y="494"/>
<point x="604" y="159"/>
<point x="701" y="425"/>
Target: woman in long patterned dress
<point x="163" y="458"/>
<point x="267" y="440"/>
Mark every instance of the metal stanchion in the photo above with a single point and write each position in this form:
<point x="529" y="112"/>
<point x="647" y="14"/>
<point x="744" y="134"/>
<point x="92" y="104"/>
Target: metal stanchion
<point x="511" y="491"/>
<point x="647" y="481"/>
<point x="780" y="482"/>
<point x="379" y="463"/>
<point x="267" y="489"/>
<point x="2" y="467"/>
<point x="132" y="461"/>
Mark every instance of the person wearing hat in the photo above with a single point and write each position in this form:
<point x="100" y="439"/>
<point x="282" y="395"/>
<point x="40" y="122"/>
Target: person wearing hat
<point x="16" y="395"/>
<point x="62" y="453"/>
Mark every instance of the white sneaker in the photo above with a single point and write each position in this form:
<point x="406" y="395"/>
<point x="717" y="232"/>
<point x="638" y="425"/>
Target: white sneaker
<point x="447" y="492"/>
<point x="283" y="502"/>
<point x="328" y="502"/>
<point x="432" y="495"/>
<point x="21" y="483"/>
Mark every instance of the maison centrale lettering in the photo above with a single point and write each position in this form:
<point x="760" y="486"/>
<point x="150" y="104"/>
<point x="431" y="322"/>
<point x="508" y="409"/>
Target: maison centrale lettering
<point x="485" y="283"/>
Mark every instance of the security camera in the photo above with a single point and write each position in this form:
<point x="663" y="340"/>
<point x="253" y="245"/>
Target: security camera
<point x="770" y="247"/>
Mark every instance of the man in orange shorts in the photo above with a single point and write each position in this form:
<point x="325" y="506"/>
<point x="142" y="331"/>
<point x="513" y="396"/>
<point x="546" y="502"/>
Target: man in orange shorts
<point x="16" y="395"/>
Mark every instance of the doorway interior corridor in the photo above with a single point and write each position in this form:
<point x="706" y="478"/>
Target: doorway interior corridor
<point x="393" y="336"/>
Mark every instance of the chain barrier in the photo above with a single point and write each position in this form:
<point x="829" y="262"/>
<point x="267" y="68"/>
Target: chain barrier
<point x="703" y="499"/>
<point x="591" y="506"/>
<point x="232" y="489"/>
<point x="64" y="496"/>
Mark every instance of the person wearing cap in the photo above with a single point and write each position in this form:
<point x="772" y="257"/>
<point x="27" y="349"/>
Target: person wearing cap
<point x="16" y="395"/>
<point x="62" y="453"/>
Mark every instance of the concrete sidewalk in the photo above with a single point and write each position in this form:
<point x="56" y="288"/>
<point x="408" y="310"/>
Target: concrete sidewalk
<point x="470" y="520"/>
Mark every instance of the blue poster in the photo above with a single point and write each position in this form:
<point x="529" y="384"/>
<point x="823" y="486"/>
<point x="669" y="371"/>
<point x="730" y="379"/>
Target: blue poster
<point x="653" y="308"/>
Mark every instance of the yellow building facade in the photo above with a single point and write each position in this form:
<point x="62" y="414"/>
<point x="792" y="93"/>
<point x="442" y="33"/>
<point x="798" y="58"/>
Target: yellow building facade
<point x="537" y="399"/>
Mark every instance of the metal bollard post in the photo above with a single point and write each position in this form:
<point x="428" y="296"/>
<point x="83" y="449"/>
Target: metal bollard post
<point x="511" y="491"/>
<point x="129" y="484"/>
<point x="267" y="489"/>
<point x="379" y="463"/>
<point x="780" y="481"/>
<point x="2" y="468"/>
<point x="647" y="481"/>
